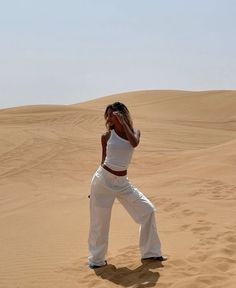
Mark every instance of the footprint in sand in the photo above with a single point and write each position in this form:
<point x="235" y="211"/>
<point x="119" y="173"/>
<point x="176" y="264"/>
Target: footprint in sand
<point x="185" y="227"/>
<point x="202" y="227"/>
<point x="170" y="207"/>
<point x="231" y="239"/>
<point x="207" y="242"/>
<point x="188" y="212"/>
<point x="197" y="192"/>
<point x="218" y="190"/>
<point x="214" y="190"/>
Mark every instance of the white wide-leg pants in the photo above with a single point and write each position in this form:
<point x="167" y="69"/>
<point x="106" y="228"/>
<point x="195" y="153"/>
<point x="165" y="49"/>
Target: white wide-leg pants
<point x="105" y="187"/>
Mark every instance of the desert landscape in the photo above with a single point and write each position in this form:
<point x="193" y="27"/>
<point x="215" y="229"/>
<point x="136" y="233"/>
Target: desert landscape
<point x="185" y="164"/>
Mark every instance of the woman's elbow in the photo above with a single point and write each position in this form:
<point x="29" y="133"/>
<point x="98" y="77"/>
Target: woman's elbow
<point x="135" y="143"/>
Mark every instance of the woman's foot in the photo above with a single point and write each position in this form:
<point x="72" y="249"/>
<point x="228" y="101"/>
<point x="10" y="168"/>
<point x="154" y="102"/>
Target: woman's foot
<point x="93" y="266"/>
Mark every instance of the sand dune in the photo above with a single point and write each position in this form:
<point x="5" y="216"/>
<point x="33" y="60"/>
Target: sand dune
<point x="185" y="164"/>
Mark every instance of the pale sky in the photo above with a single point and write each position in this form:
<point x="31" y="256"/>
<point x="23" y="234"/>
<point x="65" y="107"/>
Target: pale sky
<point x="70" y="51"/>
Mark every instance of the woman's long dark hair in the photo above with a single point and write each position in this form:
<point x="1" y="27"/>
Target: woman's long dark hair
<point x="120" y="107"/>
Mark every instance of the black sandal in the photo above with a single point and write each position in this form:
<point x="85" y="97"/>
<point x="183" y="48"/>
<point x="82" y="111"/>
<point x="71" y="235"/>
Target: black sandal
<point x="159" y="258"/>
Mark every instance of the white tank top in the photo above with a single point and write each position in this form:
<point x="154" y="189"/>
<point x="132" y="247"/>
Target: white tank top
<point x="119" y="152"/>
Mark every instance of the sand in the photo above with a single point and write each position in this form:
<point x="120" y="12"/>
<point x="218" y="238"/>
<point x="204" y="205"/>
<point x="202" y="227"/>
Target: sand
<point x="185" y="163"/>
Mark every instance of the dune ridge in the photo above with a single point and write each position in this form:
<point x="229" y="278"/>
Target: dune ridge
<point x="185" y="164"/>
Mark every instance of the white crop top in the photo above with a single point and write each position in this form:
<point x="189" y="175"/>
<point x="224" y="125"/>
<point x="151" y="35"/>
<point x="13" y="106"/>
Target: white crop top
<point x="118" y="152"/>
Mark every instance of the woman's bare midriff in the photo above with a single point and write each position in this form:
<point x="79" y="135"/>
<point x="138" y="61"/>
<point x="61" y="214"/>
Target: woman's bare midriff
<point x="117" y="173"/>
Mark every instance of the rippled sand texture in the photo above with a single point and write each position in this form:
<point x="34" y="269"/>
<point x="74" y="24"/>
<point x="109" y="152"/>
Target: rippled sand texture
<point x="185" y="163"/>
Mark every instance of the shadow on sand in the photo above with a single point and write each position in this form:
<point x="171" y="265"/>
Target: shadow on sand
<point x="123" y="276"/>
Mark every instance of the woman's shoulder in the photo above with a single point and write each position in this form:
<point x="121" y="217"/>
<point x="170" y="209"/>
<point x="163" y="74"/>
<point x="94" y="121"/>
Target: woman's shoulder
<point x="105" y="136"/>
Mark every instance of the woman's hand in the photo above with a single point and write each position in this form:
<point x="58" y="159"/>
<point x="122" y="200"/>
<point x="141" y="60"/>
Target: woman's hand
<point x="119" y="116"/>
<point x="132" y="136"/>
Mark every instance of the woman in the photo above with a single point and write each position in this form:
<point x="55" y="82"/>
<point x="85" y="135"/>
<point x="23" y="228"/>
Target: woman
<point x="110" y="181"/>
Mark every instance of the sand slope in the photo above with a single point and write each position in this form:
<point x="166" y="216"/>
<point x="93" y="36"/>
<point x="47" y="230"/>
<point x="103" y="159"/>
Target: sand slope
<point x="185" y="164"/>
